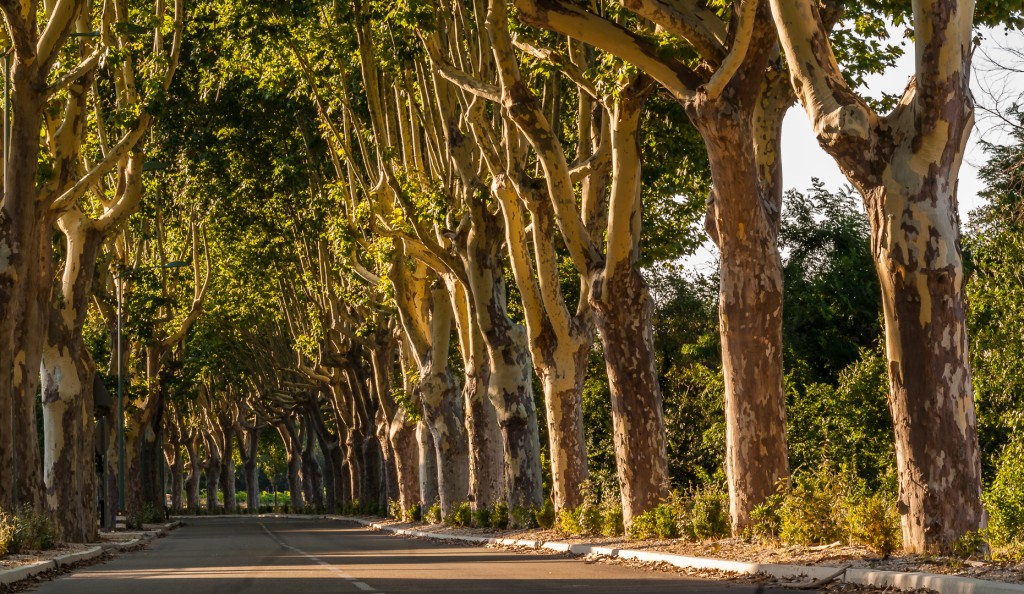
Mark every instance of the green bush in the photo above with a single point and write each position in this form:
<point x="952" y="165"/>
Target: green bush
<point x="814" y="508"/>
<point x="643" y="526"/>
<point x="709" y="514"/>
<point x="1004" y="499"/>
<point x="875" y="522"/>
<point x="33" y="531"/>
<point x="522" y="517"/>
<point x="545" y="516"/>
<point x="461" y="516"/>
<point x="394" y="509"/>
<point x="433" y="515"/>
<point x="414" y="513"/>
<point x="482" y="517"/>
<point x="499" y="516"/>
<point x="8" y="530"/>
<point x="584" y="520"/>
<point x="765" y="520"/>
<point x="612" y="523"/>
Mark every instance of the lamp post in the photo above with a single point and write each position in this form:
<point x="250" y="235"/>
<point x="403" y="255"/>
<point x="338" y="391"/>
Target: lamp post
<point x="120" y="373"/>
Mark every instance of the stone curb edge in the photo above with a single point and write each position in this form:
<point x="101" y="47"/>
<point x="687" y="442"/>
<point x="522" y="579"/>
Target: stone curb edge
<point x="17" y="574"/>
<point x="943" y="584"/>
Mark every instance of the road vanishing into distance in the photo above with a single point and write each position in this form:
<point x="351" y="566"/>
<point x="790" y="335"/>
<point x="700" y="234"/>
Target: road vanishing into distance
<point x="236" y="555"/>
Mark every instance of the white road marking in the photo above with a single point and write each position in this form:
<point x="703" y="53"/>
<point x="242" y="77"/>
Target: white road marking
<point x="354" y="581"/>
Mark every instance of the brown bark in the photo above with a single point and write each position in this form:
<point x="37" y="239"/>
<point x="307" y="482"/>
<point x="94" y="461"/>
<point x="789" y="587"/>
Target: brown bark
<point x="428" y="466"/>
<point x="905" y="166"/>
<point x="741" y="129"/>
<point x="403" y="442"/>
<point x="510" y="388"/>
<point x="25" y="281"/>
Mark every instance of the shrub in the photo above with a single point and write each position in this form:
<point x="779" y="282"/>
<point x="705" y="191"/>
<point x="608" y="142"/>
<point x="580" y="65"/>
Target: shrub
<point x="460" y="516"/>
<point x="1004" y="498"/>
<point x="433" y="514"/>
<point x="611" y="519"/>
<point x="33" y="531"/>
<point x="414" y="513"/>
<point x="643" y="526"/>
<point x="522" y="517"/>
<point x="765" y="520"/>
<point x="482" y="517"/>
<point x="499" y="516"/>
<point x="875" y="522"/>
<point x="394" y="509"/>
<point x="709" y="514"/>
<point x="545" y="516"/>
<point x="8" y="530"/>
<point x="812" y="510"/>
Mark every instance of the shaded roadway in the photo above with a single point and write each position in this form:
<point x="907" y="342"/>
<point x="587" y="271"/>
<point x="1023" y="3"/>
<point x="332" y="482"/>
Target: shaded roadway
<point x="239" y="555"/>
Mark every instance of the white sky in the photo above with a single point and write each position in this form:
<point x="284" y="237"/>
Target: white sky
<point x="803" y="159"/>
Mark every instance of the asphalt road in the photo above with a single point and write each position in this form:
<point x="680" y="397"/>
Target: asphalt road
<point x="271" y="555"/>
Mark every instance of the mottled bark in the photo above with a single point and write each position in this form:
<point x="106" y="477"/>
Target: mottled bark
<point x="623" y="311"/>
<point x="227" y="472"/>
<point x="510" y="386"/>
<point x="176" y="465"/>
<point x="743" y="218"/>
<point x="484" y="434"/>
<point x="192" y="478"/>
<point x="402" y="435"/>
<point x="211" y="469"/>
<point x="426" y="314"/>
<point x="905" y="165"/>
<point x="67" y="392"/>
<point x="293" y="449"/>
<point x="428" y="466"/>
<point x="25" y="281"/>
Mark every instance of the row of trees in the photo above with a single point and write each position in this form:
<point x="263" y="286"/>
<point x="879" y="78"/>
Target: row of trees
<point x="423" y="215"/>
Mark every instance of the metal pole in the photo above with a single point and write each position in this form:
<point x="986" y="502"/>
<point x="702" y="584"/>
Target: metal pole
<point x="120" y="401"/>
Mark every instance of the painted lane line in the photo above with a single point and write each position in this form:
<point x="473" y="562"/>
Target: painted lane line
<point x="341" y="574"/>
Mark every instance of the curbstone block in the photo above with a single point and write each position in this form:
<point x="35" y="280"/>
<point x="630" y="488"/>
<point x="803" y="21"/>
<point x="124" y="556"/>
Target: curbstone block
<point x="944" y="584"/>
<point x="10" y="576"/>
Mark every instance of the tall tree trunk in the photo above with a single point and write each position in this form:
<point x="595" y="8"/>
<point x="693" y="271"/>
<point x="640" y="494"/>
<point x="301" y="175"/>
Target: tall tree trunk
<point x="311" y="472"/>
<point x="212" y="468"/>
<point x="67" y="393"/>
<point x="428" y="467"/>
<point x="905" y="166"/>
<point x="172" y="451"/>
<point x="623" y="311"/>
<point x="248" y="446"/>
<point x="743" y="218"/>
<point x="406" y="452"/>
<point x="330" y="481"/>
<point x="486" y="467"/>
<point x="443" y="408"/>
<point x="192" y="478"/>
<point x="227" y="473"/>
<point x="510" y="387"/>
<point x="25" y="281"/>
<point x="389" y="475"/>
<point x="294" y="452"/>
<point x="373" y="477"/>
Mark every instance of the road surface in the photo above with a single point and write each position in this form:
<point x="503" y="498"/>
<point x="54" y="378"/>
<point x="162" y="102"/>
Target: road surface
<point x="237" y="555"/>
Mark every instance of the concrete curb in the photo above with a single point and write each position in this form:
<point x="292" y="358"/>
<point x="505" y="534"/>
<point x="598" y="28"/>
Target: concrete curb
<point x="943" y="584"/>
<point x="71" y="559"/>
<point x="10" y="576"/>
